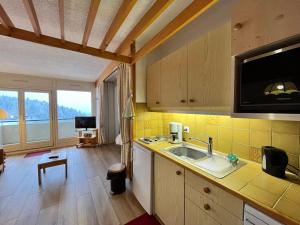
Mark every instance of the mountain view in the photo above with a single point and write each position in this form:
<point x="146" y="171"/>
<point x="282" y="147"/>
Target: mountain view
<point x="36" y="110"/>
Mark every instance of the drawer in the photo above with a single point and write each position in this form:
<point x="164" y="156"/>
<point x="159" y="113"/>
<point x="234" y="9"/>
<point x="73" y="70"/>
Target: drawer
<point x="195" y="216"/>
<point x="231" y="203"/>
<point x="211" y="208"/>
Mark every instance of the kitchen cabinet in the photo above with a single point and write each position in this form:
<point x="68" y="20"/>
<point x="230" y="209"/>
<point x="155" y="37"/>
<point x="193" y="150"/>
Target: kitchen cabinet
<point x="209" y="69"/>
<point x="256" y="23"/>
<point x="153" y="85"/>
<point x="194" y="77"/>
<point x="213" y="205"/>
<point x="169" y="191"/>
<point x="174" y="79"/>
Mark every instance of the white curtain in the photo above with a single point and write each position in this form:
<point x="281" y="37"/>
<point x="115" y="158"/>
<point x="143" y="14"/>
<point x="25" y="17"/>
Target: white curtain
<point x="124" y="88"/>
<point x="101" y="112"/>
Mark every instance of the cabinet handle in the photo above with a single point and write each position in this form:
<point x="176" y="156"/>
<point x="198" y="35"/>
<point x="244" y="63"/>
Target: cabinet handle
<point x="279" y="17"/>
<point x="192" y="100"/>
<point x="157" y="102"/>
<point x="182" y="101"/>
<point x="178" y="172"/>
<point x="237" y="26"/>
<point x="206" y="206"/>
<point x="206" y="190"/>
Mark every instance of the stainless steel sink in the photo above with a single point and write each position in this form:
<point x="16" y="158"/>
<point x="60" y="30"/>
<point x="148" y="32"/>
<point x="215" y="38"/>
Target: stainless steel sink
<point x="187" y="152"/>
<point x="217" y="165"/>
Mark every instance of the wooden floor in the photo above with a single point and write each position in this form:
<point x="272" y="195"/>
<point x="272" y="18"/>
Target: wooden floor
<point x="82" y="199"/>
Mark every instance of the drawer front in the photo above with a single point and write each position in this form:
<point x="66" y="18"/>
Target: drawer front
<point x="212" y="209"/>
<point x="195" y="216"/>
<point x="231" y="203"/>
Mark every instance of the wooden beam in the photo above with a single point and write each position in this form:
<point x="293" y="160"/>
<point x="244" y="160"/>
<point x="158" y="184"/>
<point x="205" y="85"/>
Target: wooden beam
<point x="62" y="19"/>
<point x="55" y="42"/>
<point x="196" y="8"/>
<point x="4" y="18"/>
<point x="155" y="11"/>
<point x="120" y="17"/>
<point x="90" y="21"/>
<point x="151" y="15"/>
<point x="32" y="16"/>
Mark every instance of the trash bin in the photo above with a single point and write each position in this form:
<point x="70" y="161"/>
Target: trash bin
<point x="117" y="175"/>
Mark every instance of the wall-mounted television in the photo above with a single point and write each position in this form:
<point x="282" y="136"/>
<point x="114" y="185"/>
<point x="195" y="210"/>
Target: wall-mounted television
<point x="85" y="122"/>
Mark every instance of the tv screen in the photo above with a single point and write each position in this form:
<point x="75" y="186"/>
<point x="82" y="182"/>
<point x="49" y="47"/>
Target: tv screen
<point x="85" y="122"/>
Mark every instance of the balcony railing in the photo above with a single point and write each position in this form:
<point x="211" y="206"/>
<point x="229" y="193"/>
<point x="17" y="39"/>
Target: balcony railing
<point x="36" y="130"/>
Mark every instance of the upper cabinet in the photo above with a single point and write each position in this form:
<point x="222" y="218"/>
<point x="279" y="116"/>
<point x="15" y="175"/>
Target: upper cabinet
<point x="174" y="79"/>
<point x="194" y="77"/>
<point x="153" y="85"/>
<point x="209" y="72"/>
<point x="259" y="22"/>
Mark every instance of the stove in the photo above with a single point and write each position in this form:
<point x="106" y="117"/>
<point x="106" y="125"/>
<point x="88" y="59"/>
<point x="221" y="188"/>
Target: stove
<point x="152" y="139"/>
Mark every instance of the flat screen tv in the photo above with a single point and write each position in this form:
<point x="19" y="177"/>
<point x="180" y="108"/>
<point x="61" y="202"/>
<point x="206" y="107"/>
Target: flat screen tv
<point x="85" y="122"/>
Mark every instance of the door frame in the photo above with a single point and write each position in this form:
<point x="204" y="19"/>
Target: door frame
<point x="37" y="144"/>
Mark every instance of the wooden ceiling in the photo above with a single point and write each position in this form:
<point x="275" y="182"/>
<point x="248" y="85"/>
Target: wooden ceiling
<point x="121" y="53"/>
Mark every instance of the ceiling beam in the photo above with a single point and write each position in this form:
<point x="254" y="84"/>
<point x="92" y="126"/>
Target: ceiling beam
<point x="90" y="21"/>
<point x="4" y="19"/>
<point x="32" y="16"/>
<point x="155" y="11"/>
<point x="151" y="15"/>
<point x="67" y="45"/>
<point x="196" y="8"/>
<point x="120" y="17"/>
<point x="61" y="9"/>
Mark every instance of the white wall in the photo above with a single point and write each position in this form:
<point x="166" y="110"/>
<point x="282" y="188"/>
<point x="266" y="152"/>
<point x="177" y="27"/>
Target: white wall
<point x="216" y="16"/>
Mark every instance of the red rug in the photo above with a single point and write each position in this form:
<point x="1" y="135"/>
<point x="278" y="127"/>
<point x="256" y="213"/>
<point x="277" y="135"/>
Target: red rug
<point x="144" y="219"/>
<point x="33" y="154"/>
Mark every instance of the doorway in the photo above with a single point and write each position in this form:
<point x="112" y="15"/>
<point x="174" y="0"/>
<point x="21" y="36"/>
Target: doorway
<point x="29" y="122"/>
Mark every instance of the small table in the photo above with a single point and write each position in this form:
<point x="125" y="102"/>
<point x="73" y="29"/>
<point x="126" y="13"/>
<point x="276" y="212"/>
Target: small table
<point x="47" y="162"/>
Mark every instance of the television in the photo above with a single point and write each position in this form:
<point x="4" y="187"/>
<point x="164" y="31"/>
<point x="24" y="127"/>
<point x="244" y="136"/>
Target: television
<point x="85" y="122"/>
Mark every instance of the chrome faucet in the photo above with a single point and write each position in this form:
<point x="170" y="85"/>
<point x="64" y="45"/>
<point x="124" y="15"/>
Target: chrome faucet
<point x="209" y="144"/>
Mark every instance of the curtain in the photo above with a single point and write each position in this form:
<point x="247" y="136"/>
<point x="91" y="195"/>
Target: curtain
<point x="101" y="116"/>
<point x="124" y="92"/>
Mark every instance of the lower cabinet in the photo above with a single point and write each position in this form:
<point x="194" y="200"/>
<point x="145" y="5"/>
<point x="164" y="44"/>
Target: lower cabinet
<point x="168" y="191"/>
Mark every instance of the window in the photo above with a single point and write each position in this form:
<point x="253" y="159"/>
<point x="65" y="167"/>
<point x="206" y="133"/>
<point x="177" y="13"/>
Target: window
<point x="69" y="105"/>
<point x="9" y="128"/>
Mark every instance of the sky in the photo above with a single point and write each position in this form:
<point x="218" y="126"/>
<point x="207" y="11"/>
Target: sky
<point x="79" y="100"/>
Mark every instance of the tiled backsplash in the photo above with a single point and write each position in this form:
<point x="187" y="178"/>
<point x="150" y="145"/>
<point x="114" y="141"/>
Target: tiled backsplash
<point x="241" y="136"/>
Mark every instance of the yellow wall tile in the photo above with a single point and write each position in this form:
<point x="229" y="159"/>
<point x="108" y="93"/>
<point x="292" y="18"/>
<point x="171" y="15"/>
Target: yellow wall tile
<point x="225" y="134"/>
<point x="241" y="150"/>
<point x="255" y="154"/>
<point x="225" y="121"/>
<point x="264" y="125"/>
<point x="287" y="142"/>
<point x="241" y="136"/>
<point x="260" y="138"/>
<point x="289" y="127"/>
<point x="224" y="146"/>
<point x="241" y="123"/>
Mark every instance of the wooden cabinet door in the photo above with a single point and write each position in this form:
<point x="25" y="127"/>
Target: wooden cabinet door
<point x="259" y="22"/>
<point x="195" y="216"/>
<point x="153" y="85"/>
<point x="209" y="69"/>
<point x="174" y="79"/>
<point x="168" y="191"/>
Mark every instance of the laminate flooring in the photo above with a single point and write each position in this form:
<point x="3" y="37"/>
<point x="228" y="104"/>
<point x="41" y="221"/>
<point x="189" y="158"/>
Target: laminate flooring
<point x="82" y="199"/>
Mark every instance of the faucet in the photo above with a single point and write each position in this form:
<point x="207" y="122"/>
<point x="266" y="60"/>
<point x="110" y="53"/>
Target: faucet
<point x="209" y="144"/>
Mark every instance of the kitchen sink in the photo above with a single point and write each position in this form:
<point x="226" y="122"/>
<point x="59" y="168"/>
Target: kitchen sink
<point x="217" y="165"/>
<point x="187" y="152"/>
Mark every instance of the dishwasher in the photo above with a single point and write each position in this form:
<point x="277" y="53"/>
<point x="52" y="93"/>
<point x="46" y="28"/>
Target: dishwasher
<point x="142" y="179"/>
<point x="254" y="217"/>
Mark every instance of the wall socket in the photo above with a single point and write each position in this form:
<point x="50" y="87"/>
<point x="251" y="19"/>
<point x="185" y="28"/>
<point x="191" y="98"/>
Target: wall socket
<point x="186" y="129"/>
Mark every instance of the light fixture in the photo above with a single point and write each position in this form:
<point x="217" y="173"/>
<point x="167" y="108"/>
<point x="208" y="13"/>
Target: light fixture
<point x="282" y="87"/>
<point x="128" y="112"/>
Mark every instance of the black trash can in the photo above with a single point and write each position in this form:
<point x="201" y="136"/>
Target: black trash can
<point x="117" y="175"/>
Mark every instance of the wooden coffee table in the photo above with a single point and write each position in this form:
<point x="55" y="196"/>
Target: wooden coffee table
<point x="46" y="162"/>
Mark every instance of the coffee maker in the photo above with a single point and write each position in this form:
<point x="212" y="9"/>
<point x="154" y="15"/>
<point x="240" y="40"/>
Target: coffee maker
<point x="175" y="132"/>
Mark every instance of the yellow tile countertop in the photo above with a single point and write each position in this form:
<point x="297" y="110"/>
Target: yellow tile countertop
<point x="278" y="198"/>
